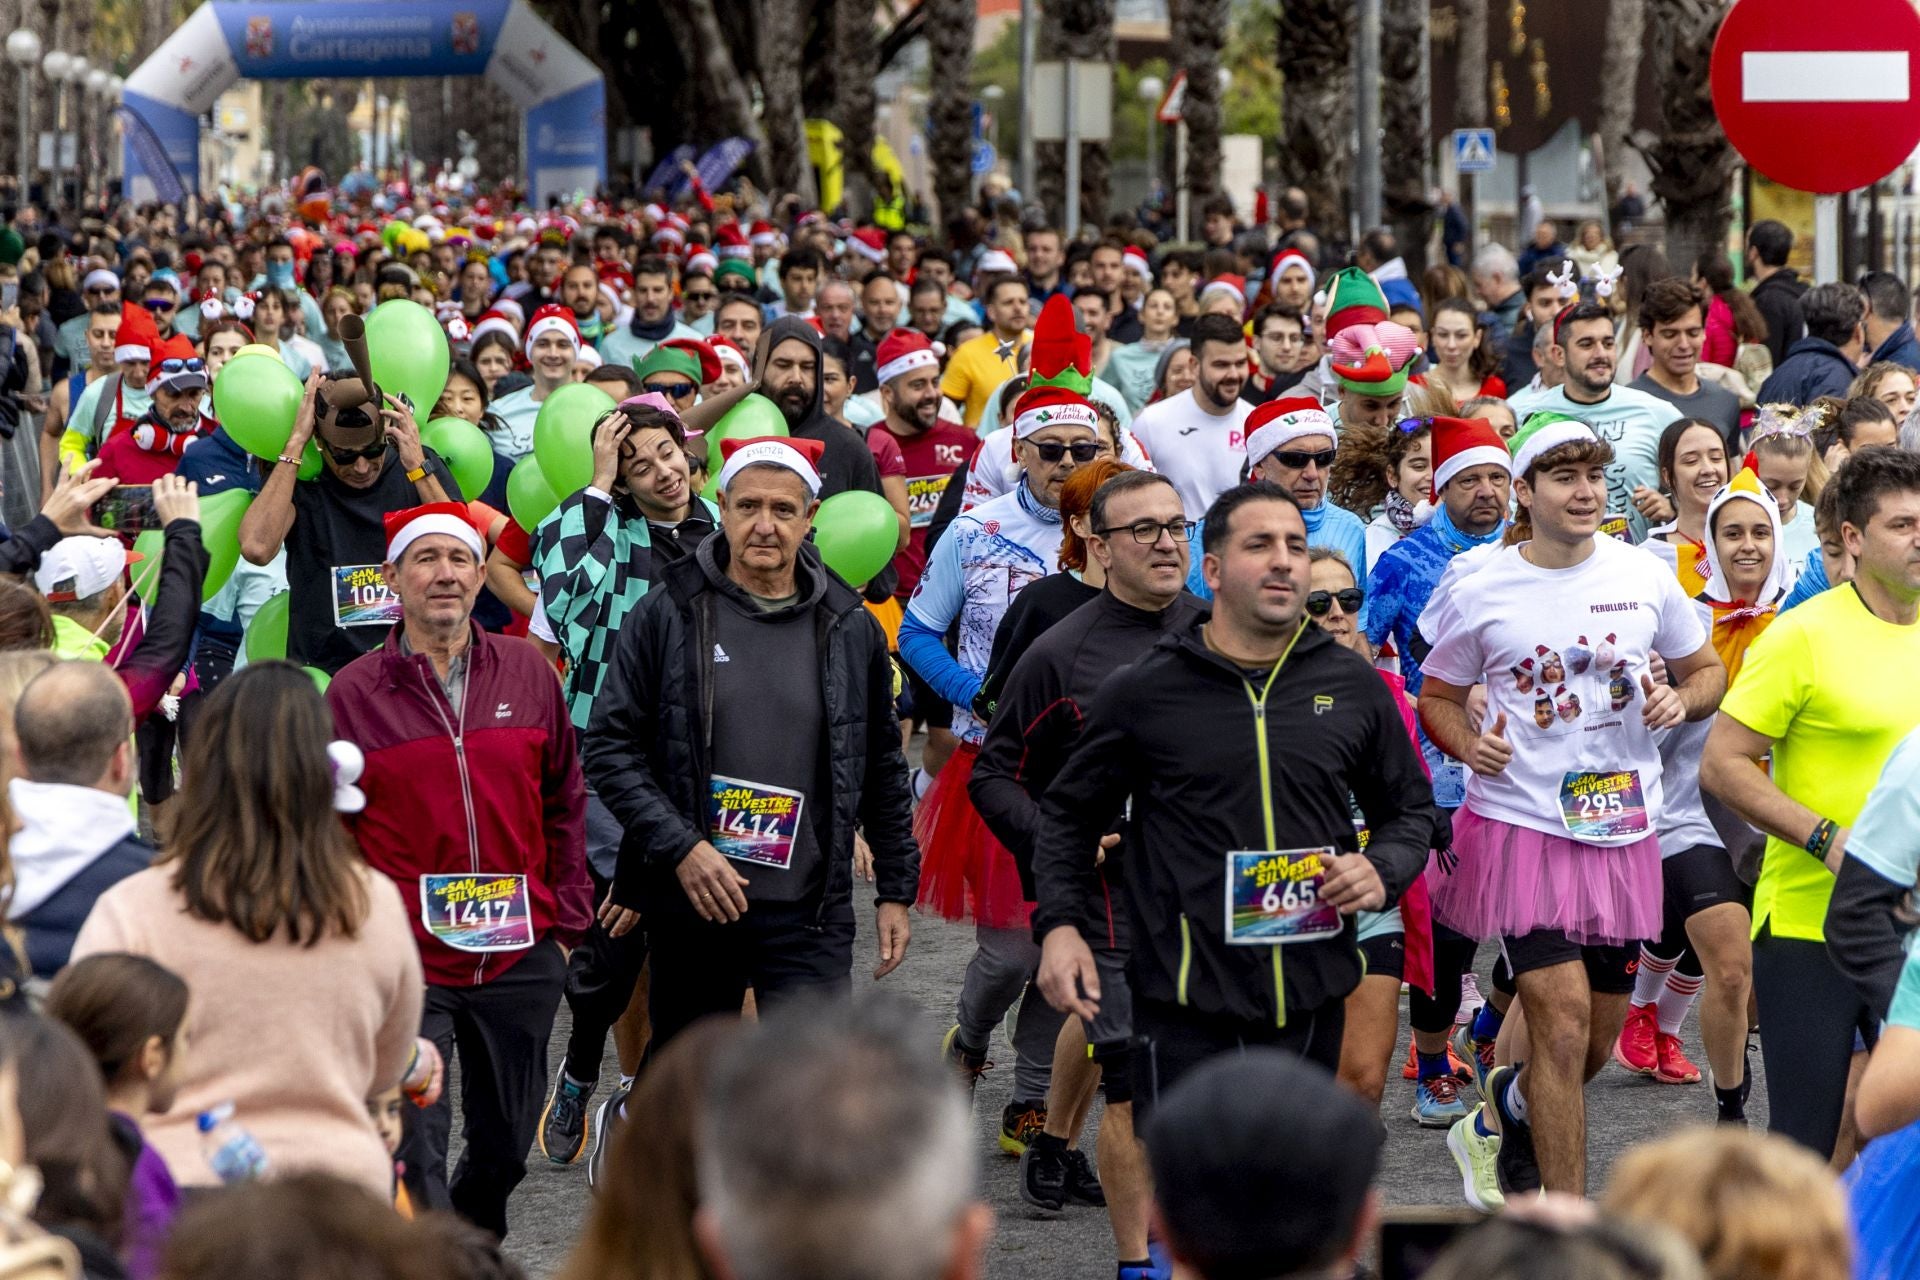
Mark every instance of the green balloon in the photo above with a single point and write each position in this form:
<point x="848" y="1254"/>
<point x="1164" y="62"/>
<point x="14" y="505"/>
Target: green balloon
<point x="753" y="416"/>
<point x="256" y="399"/>
<point x="266" y="637"/>
<point x="220" y="517"/>
<point x="465" y="449"/>
<point x="409" y="352"/>
<point x="857" y="533"/>
<point x="320" y="678"/>
<point x="146" y="574"/>
<point x="563" y="434"/>
<point x="311" y="463"/>
<point x="529" y="497"/>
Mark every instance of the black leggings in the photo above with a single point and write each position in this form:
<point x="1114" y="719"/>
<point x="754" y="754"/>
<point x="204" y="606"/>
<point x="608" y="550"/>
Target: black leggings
<point x="1452" y="957"/>
<point x="1809" y="1013"/>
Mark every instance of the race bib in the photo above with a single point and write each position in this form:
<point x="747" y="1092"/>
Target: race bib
<point x="362" y="598"/>
<point x="1598" y="807"/>
<point x="923" y="497"/>
<point x="1273" y="896"/>
<point x="481" y="912"/>
<point x="753" y="822"/>
<point x="1616" y="527"/>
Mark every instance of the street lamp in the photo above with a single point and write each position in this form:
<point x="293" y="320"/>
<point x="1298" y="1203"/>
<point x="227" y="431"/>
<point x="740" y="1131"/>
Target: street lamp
<point x="57" y="64"/>
<point x="1149" y="89"/>
<point x="90" y="181"/>
<point x="23" y="51"/>
<point x="77" y="69"/>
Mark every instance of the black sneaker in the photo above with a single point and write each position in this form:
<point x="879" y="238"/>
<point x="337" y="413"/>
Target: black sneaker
<point x="563" y="1122"/>
<point x="1519" y="1170"/>
<point x="1083" y="1184"/>
<point x="1043" y="1179"/>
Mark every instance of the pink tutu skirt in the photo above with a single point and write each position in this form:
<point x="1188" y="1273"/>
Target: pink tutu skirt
<point x="1508" y="881"/>
<point x="965" y="873"/>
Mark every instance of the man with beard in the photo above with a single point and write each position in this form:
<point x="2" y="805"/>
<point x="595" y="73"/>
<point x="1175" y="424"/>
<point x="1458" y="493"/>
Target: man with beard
<point x="789" y="354"/>
<point x="1108" y="263"/>
<point x="1197" y="439"/>
<point x="580" y="294"/>
<point x="153" y="445"/>
<point x="1629" y="420"/>
<point x="653" y="319"/>
<point x="879" y="316"/>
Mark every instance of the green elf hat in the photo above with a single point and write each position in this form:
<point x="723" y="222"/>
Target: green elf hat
<point x="1353" y="297"/>
<point x="1373" y="359"/>
<point x="1061" y="356"/>
<point x="736" y="269"/>
<point x="1541" y="432"/>
<point x="665" y="359"/>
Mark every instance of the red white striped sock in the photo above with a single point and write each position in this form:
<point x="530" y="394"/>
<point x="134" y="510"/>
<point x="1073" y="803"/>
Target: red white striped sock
<point x="1651" y="978"/>
<point x="1675" y="999"/>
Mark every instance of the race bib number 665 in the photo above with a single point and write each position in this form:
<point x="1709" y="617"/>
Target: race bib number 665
<point x="1273" y="896"/>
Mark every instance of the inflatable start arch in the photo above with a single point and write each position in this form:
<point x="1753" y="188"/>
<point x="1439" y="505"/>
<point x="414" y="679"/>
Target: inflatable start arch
<point x="560" y="91"/>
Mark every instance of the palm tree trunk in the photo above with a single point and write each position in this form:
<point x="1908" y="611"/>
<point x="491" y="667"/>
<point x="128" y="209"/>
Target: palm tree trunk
<point x="950" y="26"/>
<point x="781" y="36"/>
<point x="1083" y="30"/>
<point x="1619" y="74"/>
<point x="717" y="97"/>
<point x="1316" y="119"/>
<point x="855" y="61"/>
<point x="1692" y="160"/>
<point x="1470" y="81"/>
<point x="1405" y="127"/>
<point x="1201" y="32"/>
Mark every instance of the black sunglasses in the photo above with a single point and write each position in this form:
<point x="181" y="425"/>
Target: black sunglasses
<point x="1294" y="460"/>
<point x="347" y="457"/>
<point x="671" y="390"/>
<point x="1320" y="602"/>
<point x="704" y="295"/>
<point x="1082" y="450"/>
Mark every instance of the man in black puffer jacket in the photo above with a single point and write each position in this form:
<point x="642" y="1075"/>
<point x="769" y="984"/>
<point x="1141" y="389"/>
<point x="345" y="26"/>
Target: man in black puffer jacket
<point x="743" y="732"/>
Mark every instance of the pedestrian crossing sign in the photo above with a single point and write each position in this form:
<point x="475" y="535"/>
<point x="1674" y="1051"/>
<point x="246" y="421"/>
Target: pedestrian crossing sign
<point x="1473" y="150"/>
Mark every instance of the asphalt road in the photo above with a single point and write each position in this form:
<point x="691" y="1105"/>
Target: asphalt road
<point x="548" y="1209"/>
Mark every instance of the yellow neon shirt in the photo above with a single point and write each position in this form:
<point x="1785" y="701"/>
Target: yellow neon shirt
<point x="976" y="370"/>
<point x="1833" y="686"/>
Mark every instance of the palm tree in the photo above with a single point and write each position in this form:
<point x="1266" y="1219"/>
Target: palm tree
<point x="1692" y="160"/>
<point x="1316" y="122"/>
<point x="1199" y="33"/>
<point x="949" y="27"/>
<point x="780" y="37"/>
<point x="718" y="97"/>
<point x="1405" y="145"/>
<point x="1080" y="29"/>
<point x="1619" y="73"/>
<point x="855" y="61"/>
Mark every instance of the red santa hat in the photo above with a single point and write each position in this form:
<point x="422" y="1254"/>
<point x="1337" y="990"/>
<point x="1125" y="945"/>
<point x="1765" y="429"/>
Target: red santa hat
<point x="731" y="242"/>
<point x="1278" y="423"/>
<point x="495" y="322"/>
<point x="870" y="243"/>
<point x="763" y="235"/>
<point x="701" y="259"/>
<point x="996" y="262"/>
<point x="404" y="528"/>
<point x="729" y="352"/>
<point x="552" y="318"/>
<point x="1232" y="285"/>
<point x="702" y="351"/>
<point x="1136" y="261"/>
<point x="901" y="352"/>
<point x="1045" y="407"/>
<point x="796" y="454"/>
<point x="137" y="337"/>
<point x="1460" y="443"/>
<point x="1291" y="259"/>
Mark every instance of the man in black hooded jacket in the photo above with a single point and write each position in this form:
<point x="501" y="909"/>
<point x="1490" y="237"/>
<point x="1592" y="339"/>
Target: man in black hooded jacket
<point x="791" y="350"/>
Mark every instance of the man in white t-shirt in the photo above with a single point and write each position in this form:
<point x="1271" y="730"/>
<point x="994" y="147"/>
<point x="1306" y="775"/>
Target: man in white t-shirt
<point x="1555" y="851"/>
<point x="1629" y="420"/>
<point x="1197" y="439"/>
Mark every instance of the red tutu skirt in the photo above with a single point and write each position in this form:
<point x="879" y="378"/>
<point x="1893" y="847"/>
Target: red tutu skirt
<point x="965" y="873"/>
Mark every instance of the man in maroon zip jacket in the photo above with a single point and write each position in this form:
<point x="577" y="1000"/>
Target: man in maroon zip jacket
<point x="476" y="809"/>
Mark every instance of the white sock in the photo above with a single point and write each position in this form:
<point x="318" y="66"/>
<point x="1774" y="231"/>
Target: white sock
<point x="1651" y="979"/>
<point x="1675" y="999"/>
<point x="626" y="1082"/>
<point x="922" y="782"/>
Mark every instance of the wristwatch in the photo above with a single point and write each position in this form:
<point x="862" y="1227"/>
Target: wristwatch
<point x="417" y="474"/>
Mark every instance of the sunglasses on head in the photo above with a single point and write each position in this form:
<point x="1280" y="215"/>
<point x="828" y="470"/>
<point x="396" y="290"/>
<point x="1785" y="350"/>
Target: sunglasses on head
<point x="1052" y="451"/>
<point x="1407" y="426"/>
<point x="671" y="390"/>
<point x="1295" y="460"/>
<point x="177" y="364"/>
<point x="1350" y="600"/>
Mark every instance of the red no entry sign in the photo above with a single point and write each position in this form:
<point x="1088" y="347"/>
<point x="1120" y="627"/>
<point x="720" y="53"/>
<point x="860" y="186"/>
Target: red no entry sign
<point x="1820" y="95"/>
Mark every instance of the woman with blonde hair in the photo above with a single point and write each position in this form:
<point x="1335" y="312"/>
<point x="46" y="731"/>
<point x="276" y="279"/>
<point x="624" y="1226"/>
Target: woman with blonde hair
<point x="1755" y="1206"/>
<point x="1893" y="385"/>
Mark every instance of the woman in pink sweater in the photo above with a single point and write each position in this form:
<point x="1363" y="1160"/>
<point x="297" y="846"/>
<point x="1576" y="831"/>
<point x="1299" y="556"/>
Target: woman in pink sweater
<point x="305" y="980"/>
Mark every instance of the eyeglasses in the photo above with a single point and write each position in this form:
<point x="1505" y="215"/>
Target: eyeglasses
<point x="1294" y="460"/>
<point x="1350" y="600"/>
<point x="158" y="304"/>
<point x="1082" y="450"/>
<point x="1147" y="532"/>
<point x="176" y="364"/>
<point x="102" y="289"/>
<point x="671" y="390"/>
<point x="347" y="457"/>
<point x="704" y="295"/>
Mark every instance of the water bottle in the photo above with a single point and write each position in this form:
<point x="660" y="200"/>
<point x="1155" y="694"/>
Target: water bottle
<point x="231" y="1151"/>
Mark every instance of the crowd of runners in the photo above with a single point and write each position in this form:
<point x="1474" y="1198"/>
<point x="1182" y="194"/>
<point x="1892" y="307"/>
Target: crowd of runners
<point x="423" y="613"/>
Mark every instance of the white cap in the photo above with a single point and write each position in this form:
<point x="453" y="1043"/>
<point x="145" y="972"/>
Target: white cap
<point x="76" y="568"/>
<point x="99" y="278"/>
<point x="770" y="453"/>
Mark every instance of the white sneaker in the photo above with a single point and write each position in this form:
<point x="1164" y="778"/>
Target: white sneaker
<point x="1470" y="999"/>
